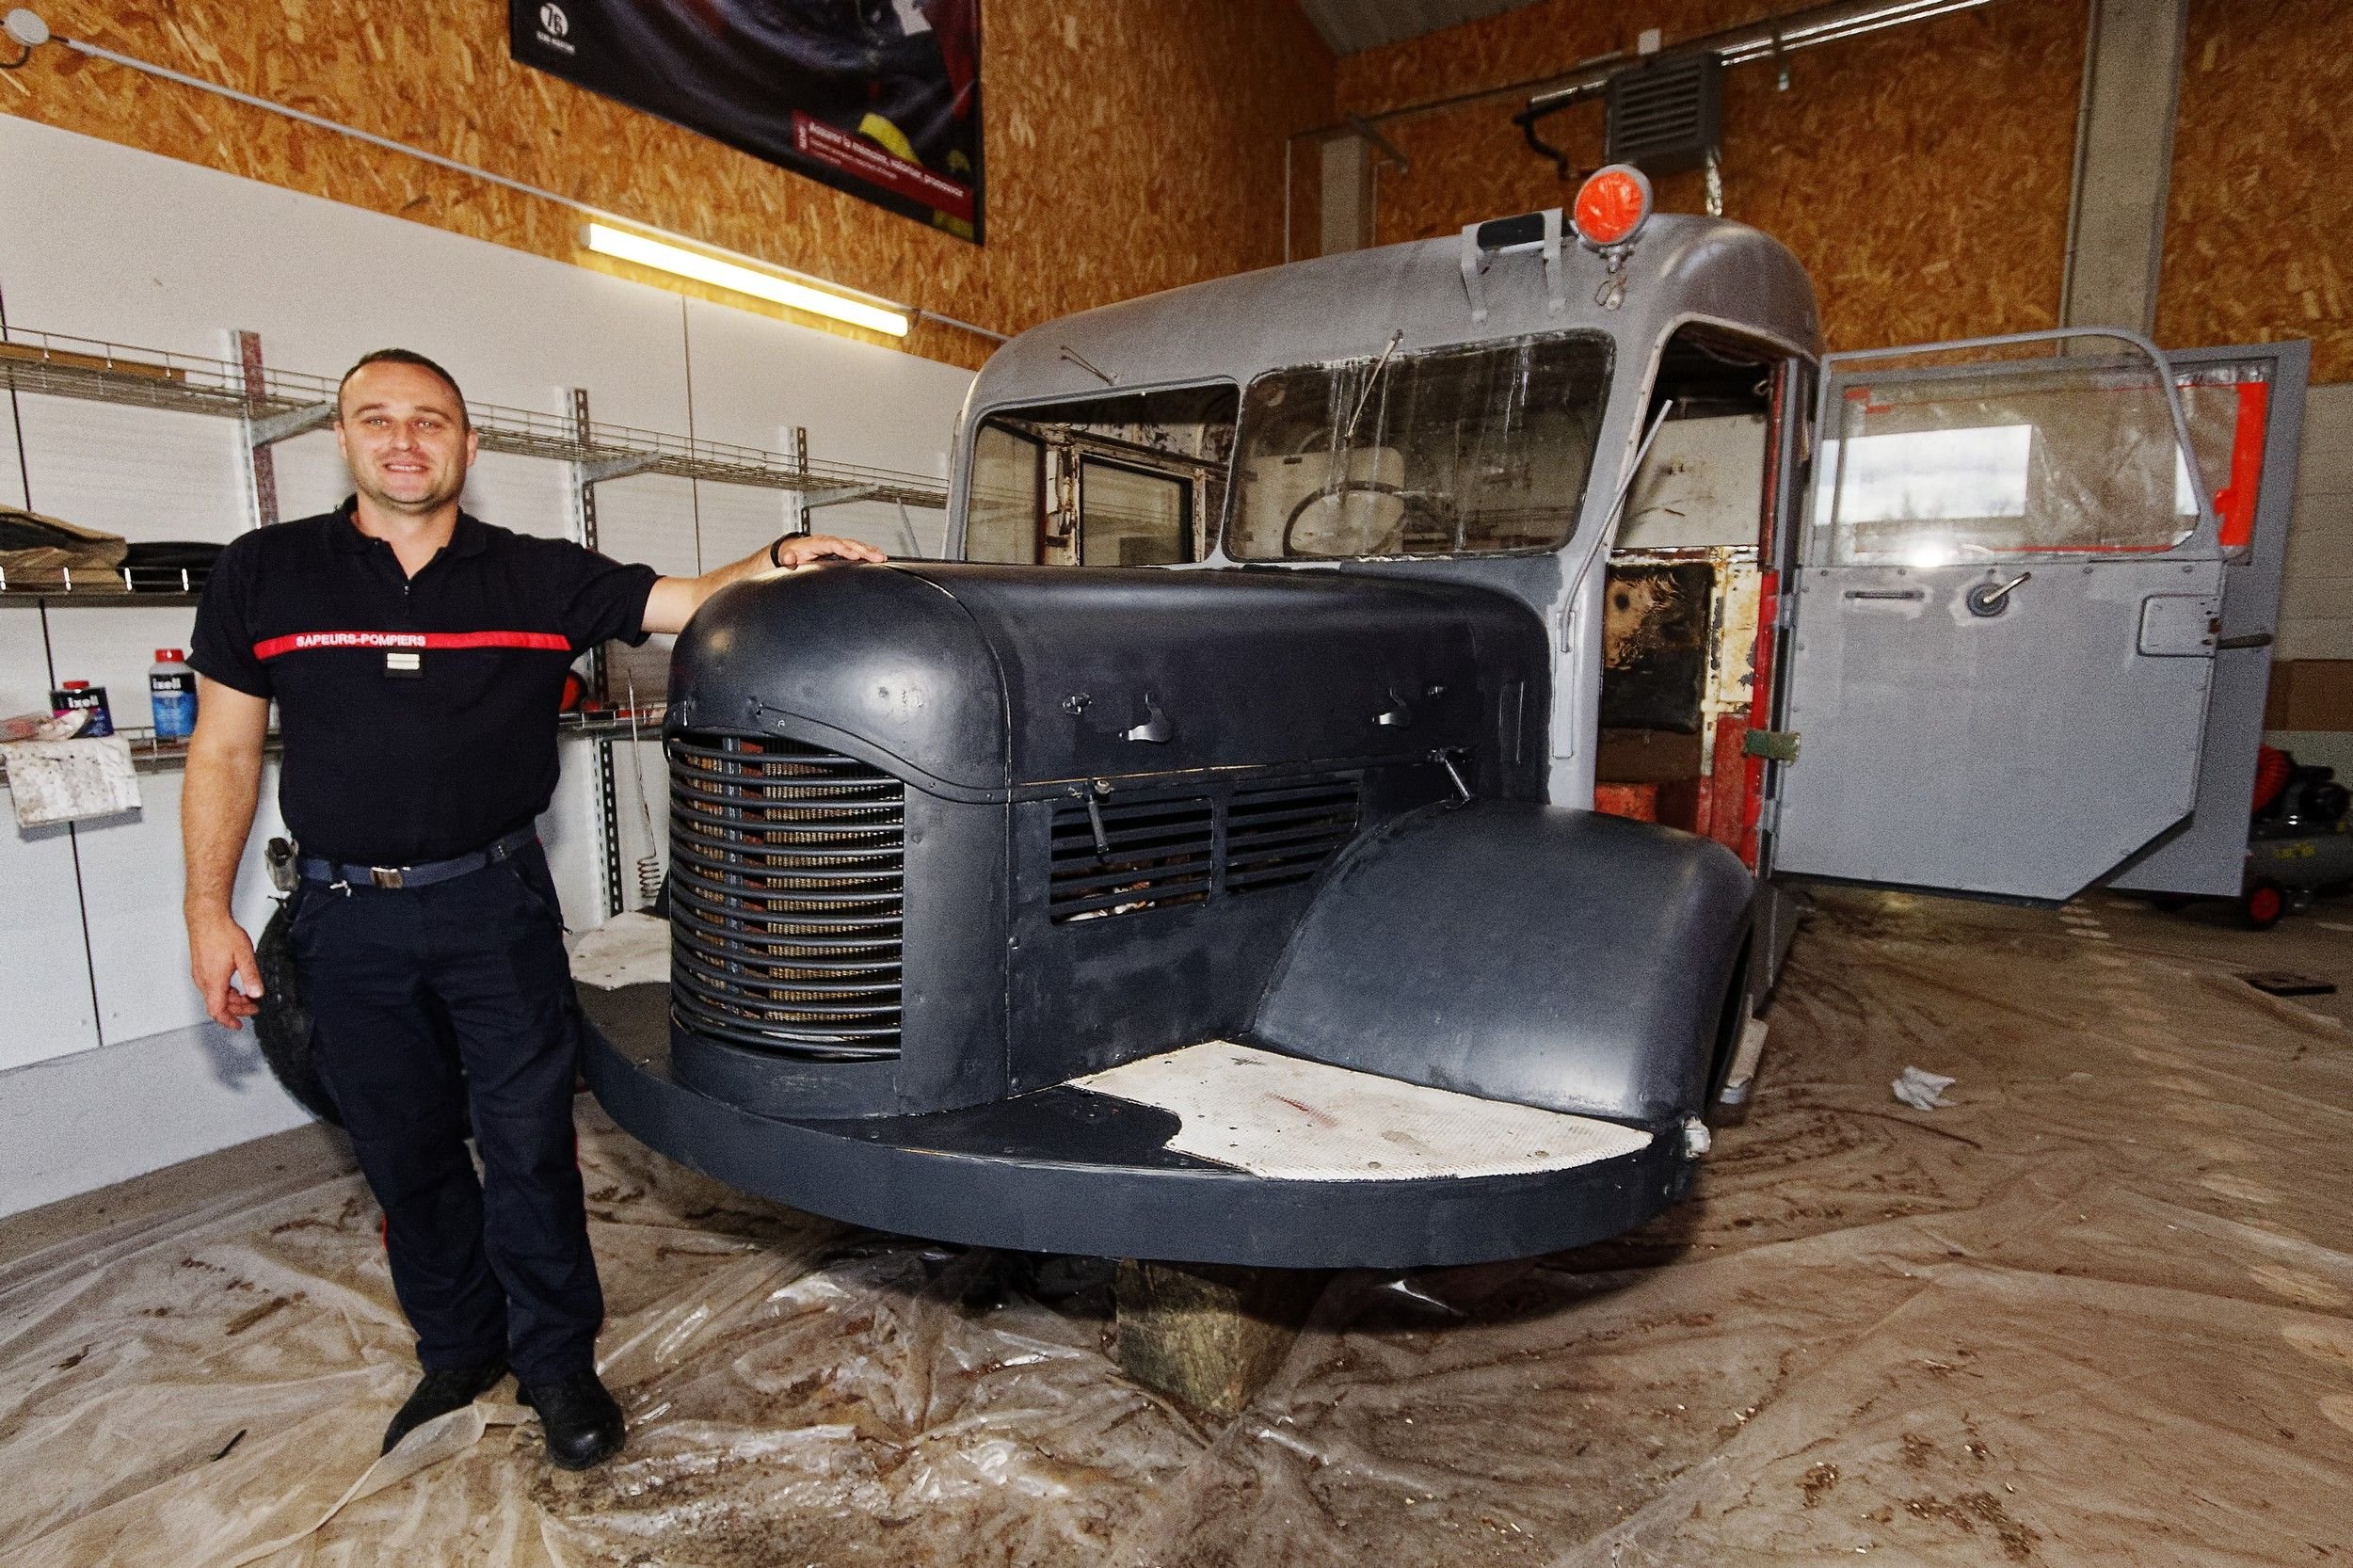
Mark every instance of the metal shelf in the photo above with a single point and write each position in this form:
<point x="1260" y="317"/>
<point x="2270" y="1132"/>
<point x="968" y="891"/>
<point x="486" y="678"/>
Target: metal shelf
<point x="279" y="404"/>
<point x="58" y="586"/>
<point x="149" y="755"/>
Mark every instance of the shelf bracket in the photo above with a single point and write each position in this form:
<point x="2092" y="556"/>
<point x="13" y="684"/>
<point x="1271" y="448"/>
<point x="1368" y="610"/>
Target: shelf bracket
<point x="595" y="470"/>
<point x="269" y="429"/>
<point x="812" y="500"/>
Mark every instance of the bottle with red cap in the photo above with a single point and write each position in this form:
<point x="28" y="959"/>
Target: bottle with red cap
<point x="80" y="697"/>
<point x="171" y="688"/>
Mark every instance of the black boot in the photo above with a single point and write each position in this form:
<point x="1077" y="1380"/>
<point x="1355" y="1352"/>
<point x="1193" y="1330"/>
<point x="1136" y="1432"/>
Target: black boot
<point x="438" y="1394"/>
<point x="584" y="1426"/>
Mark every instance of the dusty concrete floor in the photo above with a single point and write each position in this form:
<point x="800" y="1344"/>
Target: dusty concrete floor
<point x="2098" y="1310"/>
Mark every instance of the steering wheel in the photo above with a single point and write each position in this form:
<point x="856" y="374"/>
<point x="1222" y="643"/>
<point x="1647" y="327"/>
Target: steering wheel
<point x="1411" y="505"/>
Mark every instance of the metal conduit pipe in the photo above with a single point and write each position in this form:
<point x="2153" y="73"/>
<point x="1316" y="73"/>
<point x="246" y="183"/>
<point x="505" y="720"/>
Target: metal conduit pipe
<point x="1775" y="38"/>
<point x="1771" y="38"/>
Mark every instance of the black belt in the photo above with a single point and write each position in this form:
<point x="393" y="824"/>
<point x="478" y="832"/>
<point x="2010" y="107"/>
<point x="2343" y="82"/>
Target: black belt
<point x="339" y="873"/>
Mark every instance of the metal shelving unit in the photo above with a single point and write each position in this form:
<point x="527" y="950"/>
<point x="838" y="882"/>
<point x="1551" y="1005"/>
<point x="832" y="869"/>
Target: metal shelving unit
<point x="150" y="755"/>
<point x="272" y="405"/>
<point x="66" y="585"/>
<point x="276" y="405"/>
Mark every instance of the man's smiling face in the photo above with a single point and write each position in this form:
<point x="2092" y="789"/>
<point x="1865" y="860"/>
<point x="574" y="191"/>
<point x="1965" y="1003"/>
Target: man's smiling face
<point x="403" y="433"/>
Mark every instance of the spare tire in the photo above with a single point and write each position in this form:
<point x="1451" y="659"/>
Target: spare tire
<point x="283" y="1028"/>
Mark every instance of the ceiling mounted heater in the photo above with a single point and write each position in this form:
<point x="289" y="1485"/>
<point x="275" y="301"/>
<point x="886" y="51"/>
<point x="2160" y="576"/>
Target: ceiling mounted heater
<point x="1667" y="115"/>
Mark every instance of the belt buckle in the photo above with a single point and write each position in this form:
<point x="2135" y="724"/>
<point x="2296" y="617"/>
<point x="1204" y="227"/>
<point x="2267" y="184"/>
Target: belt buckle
<point x="384" y="876"/>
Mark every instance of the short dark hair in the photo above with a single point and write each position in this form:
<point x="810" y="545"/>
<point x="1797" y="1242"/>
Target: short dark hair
<point x="402" y="356"/>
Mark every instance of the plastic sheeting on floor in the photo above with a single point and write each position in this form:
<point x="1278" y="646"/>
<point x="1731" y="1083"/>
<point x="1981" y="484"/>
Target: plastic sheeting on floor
<point x="2099" y="1310"/>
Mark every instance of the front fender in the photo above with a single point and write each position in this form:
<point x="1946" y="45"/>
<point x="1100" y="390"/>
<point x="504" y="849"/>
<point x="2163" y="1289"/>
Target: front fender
<point x="1521" y="951"/>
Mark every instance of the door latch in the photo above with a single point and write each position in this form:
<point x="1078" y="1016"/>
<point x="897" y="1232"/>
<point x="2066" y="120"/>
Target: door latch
<point x="1156" y="728"/>
<point x="1774" y="745"/>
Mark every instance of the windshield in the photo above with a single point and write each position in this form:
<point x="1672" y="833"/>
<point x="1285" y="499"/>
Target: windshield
<point x="1462" y="451"/>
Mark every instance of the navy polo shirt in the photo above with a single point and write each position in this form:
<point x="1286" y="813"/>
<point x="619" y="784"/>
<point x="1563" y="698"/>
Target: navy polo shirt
<point x="417" y="714"/>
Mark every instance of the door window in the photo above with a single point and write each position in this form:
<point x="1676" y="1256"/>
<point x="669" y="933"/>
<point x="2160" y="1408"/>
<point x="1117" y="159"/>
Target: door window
<point x="1002" y="516"/>
<point x="1131" y="518"/>
<point x="2066" y="454"/>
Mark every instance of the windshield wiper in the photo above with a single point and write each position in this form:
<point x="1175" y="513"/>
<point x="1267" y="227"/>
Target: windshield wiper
<point x="1347" y="437"/>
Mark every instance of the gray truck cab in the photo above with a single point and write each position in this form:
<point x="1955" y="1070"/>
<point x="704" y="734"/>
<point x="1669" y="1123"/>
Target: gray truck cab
<point x="1206" y="866"/>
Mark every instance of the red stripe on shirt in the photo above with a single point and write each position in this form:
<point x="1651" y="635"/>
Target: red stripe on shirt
<point x="303" y="642"/>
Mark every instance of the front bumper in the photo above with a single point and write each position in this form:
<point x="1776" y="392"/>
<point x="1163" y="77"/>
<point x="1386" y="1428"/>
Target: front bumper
<point x="1071" y="1170"/>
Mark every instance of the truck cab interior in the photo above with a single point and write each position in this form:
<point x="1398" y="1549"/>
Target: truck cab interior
<point x="1134" y="479"/>
<point x="1687" y="575"/>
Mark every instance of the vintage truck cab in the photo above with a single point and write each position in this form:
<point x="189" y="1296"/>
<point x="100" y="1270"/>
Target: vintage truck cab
<point x="1203" y="864"/>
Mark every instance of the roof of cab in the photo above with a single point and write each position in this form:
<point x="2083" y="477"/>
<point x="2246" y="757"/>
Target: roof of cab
<point x="1346" y="307"/>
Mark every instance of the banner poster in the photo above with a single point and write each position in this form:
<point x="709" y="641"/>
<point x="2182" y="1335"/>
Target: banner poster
<point x="879" y="97"/>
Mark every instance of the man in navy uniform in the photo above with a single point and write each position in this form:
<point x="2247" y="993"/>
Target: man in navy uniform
<point x="417" y="655"/>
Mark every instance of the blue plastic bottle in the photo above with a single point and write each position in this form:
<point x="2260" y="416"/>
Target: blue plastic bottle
<point x="171" y="687"/>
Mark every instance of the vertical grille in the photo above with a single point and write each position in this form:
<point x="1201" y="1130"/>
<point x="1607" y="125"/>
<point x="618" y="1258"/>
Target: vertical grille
<point x="1153" y="853"/>
<point x="1277" y="835"/>
<point x="787" y="874"/>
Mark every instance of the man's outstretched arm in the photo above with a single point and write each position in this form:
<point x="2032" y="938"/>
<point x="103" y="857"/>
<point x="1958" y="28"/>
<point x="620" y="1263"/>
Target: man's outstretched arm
<point x="216" y="802"/>
<point x="675" y="600"/>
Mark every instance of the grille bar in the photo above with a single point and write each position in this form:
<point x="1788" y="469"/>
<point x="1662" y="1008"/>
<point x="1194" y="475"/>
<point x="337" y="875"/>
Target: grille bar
<point x="1280" y="836"/>
<point x="788" y="901"/>
<point x="1166" y="852"/>
<point x="1160" y="853"/>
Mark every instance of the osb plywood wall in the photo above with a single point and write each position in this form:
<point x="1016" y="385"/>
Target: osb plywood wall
<point x="1921" y="173"/>
<point x="2256" y="243"/>
<point x="1129" y="146"/>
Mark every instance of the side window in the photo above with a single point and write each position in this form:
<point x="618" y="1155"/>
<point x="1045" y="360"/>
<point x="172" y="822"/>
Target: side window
<point x="1124" y="479"/>
<point x="1004" y="516"/>
<point x="1131" y="518"/>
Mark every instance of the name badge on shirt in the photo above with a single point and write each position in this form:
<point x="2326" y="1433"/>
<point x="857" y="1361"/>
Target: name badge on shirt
<point x="402" y="664"/>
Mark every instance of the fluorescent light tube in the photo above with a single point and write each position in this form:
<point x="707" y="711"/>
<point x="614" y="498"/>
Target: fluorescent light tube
<point x="605" y="240"/>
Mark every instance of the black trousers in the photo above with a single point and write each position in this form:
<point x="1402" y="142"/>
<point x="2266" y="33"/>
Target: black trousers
<point x="429" y="1003"/>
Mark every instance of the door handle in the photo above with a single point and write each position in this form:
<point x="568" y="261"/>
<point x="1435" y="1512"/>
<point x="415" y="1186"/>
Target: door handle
<point x="2252" y="639"/>
<point x="1992" y="599"/>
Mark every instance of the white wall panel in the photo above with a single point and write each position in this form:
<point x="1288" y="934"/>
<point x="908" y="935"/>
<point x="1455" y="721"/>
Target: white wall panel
<point x="312" y="477"/>
<point x="102" y="1116"/>
<point x="139" y="473"/>
<point x="43" y="968"/>
<point x="131" y="879"/>
<point x="12" y="480"/>
<point x="2316" y="599"/>
<point x="527" y="495"/>
<point x="568" y="830"/>
<point x="753" y="374"/>
<point x="131" y="876"/>
<point x="25" y="683"/>
<point x="652" y="517"/>
<point x="755" y="379"/>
